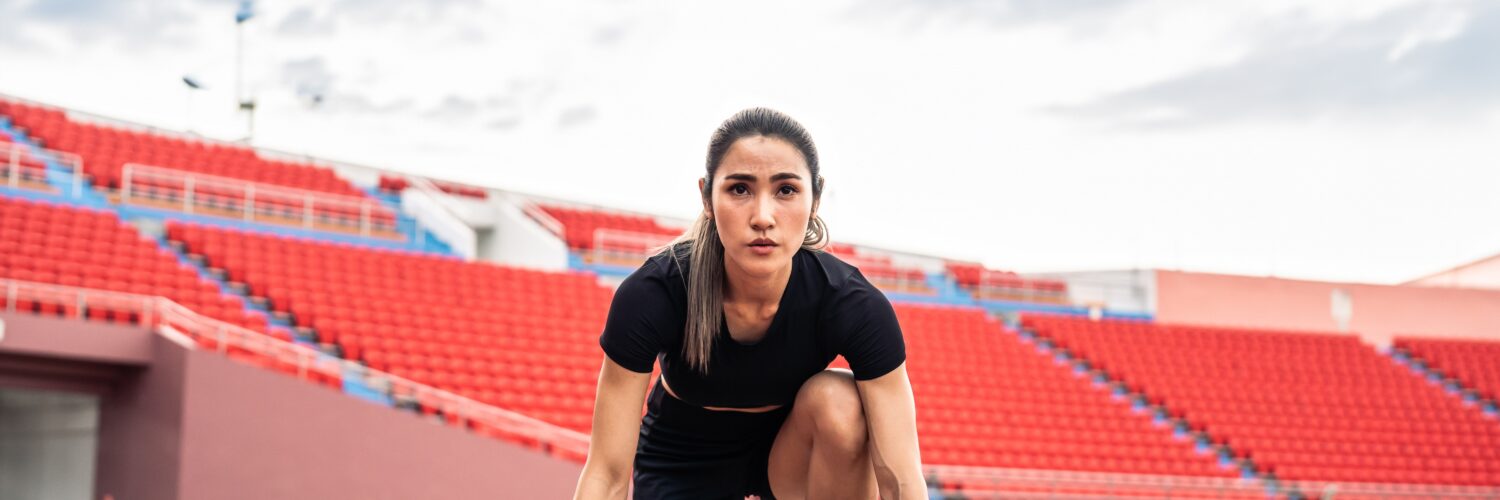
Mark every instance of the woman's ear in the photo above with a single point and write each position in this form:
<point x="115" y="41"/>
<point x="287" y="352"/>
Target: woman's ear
<point x="819" y="198"/>
<point x="708" y="209"/>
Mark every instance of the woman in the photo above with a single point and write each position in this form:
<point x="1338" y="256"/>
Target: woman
<point x="745" y="313"/>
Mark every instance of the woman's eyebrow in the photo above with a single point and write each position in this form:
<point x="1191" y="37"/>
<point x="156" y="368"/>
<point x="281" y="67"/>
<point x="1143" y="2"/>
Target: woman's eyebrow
<point x="751" y="178"/>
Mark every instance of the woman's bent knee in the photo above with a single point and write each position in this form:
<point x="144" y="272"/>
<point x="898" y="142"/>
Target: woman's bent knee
<point x="833" y="403"/>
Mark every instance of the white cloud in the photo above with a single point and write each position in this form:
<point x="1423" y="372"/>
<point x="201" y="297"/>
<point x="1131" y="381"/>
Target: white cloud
<point x="938" y="122"/>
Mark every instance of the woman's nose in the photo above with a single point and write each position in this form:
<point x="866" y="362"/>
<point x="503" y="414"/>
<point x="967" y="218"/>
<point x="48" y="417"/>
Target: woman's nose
<point x="764" y="215"/>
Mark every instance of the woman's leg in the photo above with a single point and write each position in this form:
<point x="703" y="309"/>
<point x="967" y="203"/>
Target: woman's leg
<point x="822" y="449"/>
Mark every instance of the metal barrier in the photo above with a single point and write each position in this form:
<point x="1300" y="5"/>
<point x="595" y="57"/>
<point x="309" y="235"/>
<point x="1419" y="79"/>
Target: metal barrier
<point x="888" y="276"/>
<point x="252" y="201"/>
<point x="991" y="482"/>
<point x="998" y="285"/>
<point x="625" y="248"/>
<point x="163" y="315"/>
<point x="18" y="158"/>
<point x="542" y="217"/>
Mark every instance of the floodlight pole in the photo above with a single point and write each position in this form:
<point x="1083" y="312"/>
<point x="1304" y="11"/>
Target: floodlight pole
<point x="246" y="105"/>
<point x="239" y="62"/>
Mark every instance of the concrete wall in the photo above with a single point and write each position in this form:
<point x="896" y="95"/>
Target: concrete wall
<point x="1123" y="291"/>
<point x="254" y="434"/>
<point x="1376" y="312"/>
<point x="140" y="429"/>
<point x="516" y="240"/>
<point x="437" y="217"/>
<point x="53" y="375"/>
<point x="47" y="443"/>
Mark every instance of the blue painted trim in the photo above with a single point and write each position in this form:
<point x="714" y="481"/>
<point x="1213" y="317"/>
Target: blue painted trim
<point x="1011" y="306"/>
<point x="354" y="385"/>
<point x="34" y="195"/>
<point x="409" y="226"/>
<point x="1451" y="386"/>
<point x="131" y="211"/>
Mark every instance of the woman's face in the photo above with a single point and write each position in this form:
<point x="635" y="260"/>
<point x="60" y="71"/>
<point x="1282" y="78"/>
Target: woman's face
<point x="762" y="192"/>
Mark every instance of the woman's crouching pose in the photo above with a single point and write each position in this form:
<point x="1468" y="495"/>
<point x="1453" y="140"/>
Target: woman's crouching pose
<point x="745" y="312"/>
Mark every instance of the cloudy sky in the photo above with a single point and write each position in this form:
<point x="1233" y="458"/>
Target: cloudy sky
<point x="1355" y="140"/>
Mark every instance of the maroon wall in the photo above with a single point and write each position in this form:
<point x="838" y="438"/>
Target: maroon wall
<point x="255" y="434"/>
<point x="187" y="424"/>
<point x="140" y="429"/>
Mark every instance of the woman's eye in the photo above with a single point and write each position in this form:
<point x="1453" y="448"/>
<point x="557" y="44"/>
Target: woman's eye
<point x="738" y="189"/>
<point x="788" y="190"/>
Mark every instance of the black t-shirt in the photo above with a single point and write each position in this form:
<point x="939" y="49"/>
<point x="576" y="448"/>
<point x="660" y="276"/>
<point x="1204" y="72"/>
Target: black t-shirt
<point x="828" y="309"/>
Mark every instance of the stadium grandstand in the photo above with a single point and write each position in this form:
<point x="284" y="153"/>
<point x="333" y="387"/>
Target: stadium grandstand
<point x="187" y="318"/>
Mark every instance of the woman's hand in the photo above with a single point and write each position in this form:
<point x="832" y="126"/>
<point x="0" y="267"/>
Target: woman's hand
<point x="891" y="414"/>
<point x="617" y="420"/>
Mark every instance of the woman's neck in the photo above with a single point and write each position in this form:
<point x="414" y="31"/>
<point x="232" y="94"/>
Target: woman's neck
<point x="742" y="288"/>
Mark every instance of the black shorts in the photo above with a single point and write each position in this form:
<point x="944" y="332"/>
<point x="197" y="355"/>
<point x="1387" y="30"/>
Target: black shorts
<point x="686" y="451"/>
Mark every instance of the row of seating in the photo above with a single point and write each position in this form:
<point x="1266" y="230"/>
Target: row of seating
<point x="1474" y="363"/>
<point x="43" y="242"/>
<point x="986" y="398"/>
<point x="580" y="226"/>
<point x="105" y="150"/>
<point x="1006" y="285"/>
<point x="492" y="333"/>
<point x="878" y="267"/>
<point x="395" y="184"/>
<point x="527" y="341"/>
<point x="1283" y="399"/>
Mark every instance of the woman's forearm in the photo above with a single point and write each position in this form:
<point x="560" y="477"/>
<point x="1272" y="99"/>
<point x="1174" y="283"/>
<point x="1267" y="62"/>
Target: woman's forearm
<point x="902" y="485"/>
<point x="601" y="485"/>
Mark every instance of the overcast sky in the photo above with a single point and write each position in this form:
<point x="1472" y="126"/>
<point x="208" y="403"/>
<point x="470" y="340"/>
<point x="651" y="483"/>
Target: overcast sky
<point x="1354" y="140"/>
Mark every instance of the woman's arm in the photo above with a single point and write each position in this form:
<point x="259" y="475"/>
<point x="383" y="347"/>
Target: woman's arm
<point x="617" y="420"/>
<point x="891" y="415"/>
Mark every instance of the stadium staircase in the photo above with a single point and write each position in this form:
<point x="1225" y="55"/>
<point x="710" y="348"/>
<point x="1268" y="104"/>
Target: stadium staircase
<point x="1467" y="369"/>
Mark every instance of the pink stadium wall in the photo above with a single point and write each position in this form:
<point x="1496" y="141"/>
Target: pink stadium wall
<point x="186" y="424"/>
<point x="1483" y="273"/>
<point x="1379" y="311"/>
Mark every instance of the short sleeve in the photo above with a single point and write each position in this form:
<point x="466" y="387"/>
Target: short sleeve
<point x="639" y="320"/>
<point x="865" y="327"/>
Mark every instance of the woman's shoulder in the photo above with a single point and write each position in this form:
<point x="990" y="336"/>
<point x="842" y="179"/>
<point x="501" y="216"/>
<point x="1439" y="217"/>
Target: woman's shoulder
<point x="832" y="271"/>
<point x="664" y="271"/>
<point x="670" y="261"/>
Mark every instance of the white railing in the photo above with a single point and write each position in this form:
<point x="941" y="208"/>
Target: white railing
<point x="163" y="315"/>
<point x="252" y="201"/>
<point x="999" y="284"/>
<point x="618" y="246"/>
<point x="886" y="275"/>
<point x="542" y="217"/>
<point x="994" y="482"/>
<point x="15" y="156"/>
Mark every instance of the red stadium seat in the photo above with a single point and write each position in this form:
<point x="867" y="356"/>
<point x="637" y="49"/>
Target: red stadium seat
<point x="38" y="242"/>
<point x="1305" y="406"/>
